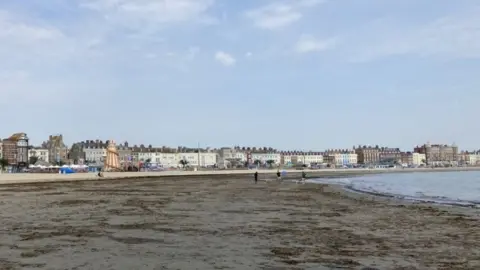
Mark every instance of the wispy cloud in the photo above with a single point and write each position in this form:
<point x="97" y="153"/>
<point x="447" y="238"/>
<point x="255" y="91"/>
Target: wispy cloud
<point x="14" y="30"/>
<point x="140" y="13"/>
<point x="279" y="14"/>
<point x="225" y="58"/>
<point x="453" y="36"/>
<point x="308" y="43"/>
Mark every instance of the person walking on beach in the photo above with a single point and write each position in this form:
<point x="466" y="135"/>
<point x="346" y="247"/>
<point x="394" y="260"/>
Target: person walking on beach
<point x="256" y="177"/>
<point x="304" y="177"/>
<point x="279" y="176"/>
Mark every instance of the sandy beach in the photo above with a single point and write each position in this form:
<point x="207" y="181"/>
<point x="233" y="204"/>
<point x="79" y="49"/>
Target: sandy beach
<point x="218" y="222"/>
<point x="6" y="178"/>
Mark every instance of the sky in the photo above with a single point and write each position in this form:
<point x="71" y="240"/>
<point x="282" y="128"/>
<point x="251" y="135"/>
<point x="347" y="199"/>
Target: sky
<point x="292" y="74"/>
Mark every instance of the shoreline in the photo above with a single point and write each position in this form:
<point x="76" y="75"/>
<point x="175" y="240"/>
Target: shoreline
<point x="27" y="178"/>
<point x="410" y="199"/>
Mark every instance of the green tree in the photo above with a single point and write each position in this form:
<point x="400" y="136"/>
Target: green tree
<point x="257" y="162"/>
<point x="33" y="160"/>
<point x="270" y="162"/>
<point x="3" y="164"/>
<point x="148" y="160"/>
<point x="184" y="163"/>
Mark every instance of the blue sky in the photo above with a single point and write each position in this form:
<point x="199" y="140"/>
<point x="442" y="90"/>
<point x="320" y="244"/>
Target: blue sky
<point x="304" y="74"/>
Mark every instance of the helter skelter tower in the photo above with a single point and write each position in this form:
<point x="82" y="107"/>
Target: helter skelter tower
<point x="112" y="161"/>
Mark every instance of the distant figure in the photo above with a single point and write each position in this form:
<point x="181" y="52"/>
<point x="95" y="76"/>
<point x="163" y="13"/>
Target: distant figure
<point x="279" y="175"/>
<point x="100" y="174"/>
<point x="256" y="177"/>
<point x="304" y="177"/>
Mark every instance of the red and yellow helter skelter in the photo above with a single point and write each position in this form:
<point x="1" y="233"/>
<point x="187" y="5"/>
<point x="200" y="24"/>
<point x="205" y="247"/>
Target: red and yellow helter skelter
<point x="112" y="161"/>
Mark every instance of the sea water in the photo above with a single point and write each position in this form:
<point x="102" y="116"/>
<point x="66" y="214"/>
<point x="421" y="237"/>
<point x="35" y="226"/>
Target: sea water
<point x="457" y="188"/>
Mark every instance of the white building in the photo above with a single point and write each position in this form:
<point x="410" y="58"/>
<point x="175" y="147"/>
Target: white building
<point x="264" y="157"/>
<point x="205" y="159"/>
<point x="307" y="158"/>
<point x="230" y="157"/>
<point x="418" y="159"/>
<point x="167" y="160"/>
<point x="340" y="158"/>
<point x="473" y="158"/>
<point x="172" y="160"/>
<point x="343" y="159"/>
<point x="40" y="153"/>
<point x="1" y="149"/>
<point x="95" y="155"/>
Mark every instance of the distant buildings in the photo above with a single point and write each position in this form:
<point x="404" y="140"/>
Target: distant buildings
<point x="125" y="153"/>
<point x="340" y="157"/>
<point x="202" y="159"/>
<point x="469" y="158"/>
<point x="418" y="159"/>
<point x="231" y="157"/>
<point x="266" y="157"/>
<point x="301" y="158"/>
<point x="94" y="154"/>
<point x="473" y="158"/>
<point x="367" y="155"/>
<point x="438" y="154"/>
<point x="57" y="150"/>
<point x="406" y="158"/>
<point x="39" y="153"/>
<point x="388" y="155"/>
<point x="84" y="151"/>
<point x="15" y="150"/>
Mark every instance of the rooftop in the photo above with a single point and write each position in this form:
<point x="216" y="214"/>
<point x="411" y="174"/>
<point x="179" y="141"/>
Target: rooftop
<point x="17" y="136"/>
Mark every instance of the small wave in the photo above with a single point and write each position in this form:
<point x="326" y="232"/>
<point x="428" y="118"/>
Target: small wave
<point x="332" y="181"/>
<point x="428" y="199"/>
<point x="384" y="189"/>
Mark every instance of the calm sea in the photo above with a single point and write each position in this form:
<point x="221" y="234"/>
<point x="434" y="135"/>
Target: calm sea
<point x="459" y="188"/>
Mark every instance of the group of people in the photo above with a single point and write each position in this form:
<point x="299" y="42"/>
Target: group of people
<point x="279" y="177"/>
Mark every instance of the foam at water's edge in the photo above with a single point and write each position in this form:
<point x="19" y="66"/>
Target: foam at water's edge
<point x="347" y="184"/>
<point x="438" y="200"/>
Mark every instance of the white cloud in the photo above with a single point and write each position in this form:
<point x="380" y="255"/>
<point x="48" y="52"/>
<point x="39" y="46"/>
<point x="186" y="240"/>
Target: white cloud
<point x="248" y="54"/>
<point x="310" y="3"/>
<point x="225" y="58"/>
<point x="278" y="15"/>
<point x="308" y="43"/>
<point x="138" y="13"/>
<point x="10" y="29"/>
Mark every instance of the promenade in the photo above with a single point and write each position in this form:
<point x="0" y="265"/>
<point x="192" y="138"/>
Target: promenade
<point x="40" y="178"/>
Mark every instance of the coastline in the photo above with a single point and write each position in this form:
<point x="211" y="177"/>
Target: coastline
<point x="227" y="223"/>
<point x="26" y="178"/>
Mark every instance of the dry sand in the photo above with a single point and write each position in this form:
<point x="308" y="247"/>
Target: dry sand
<point x="213" y="222"/>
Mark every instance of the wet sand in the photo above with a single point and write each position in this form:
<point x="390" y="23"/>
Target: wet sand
<point x="218" y="222"/>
